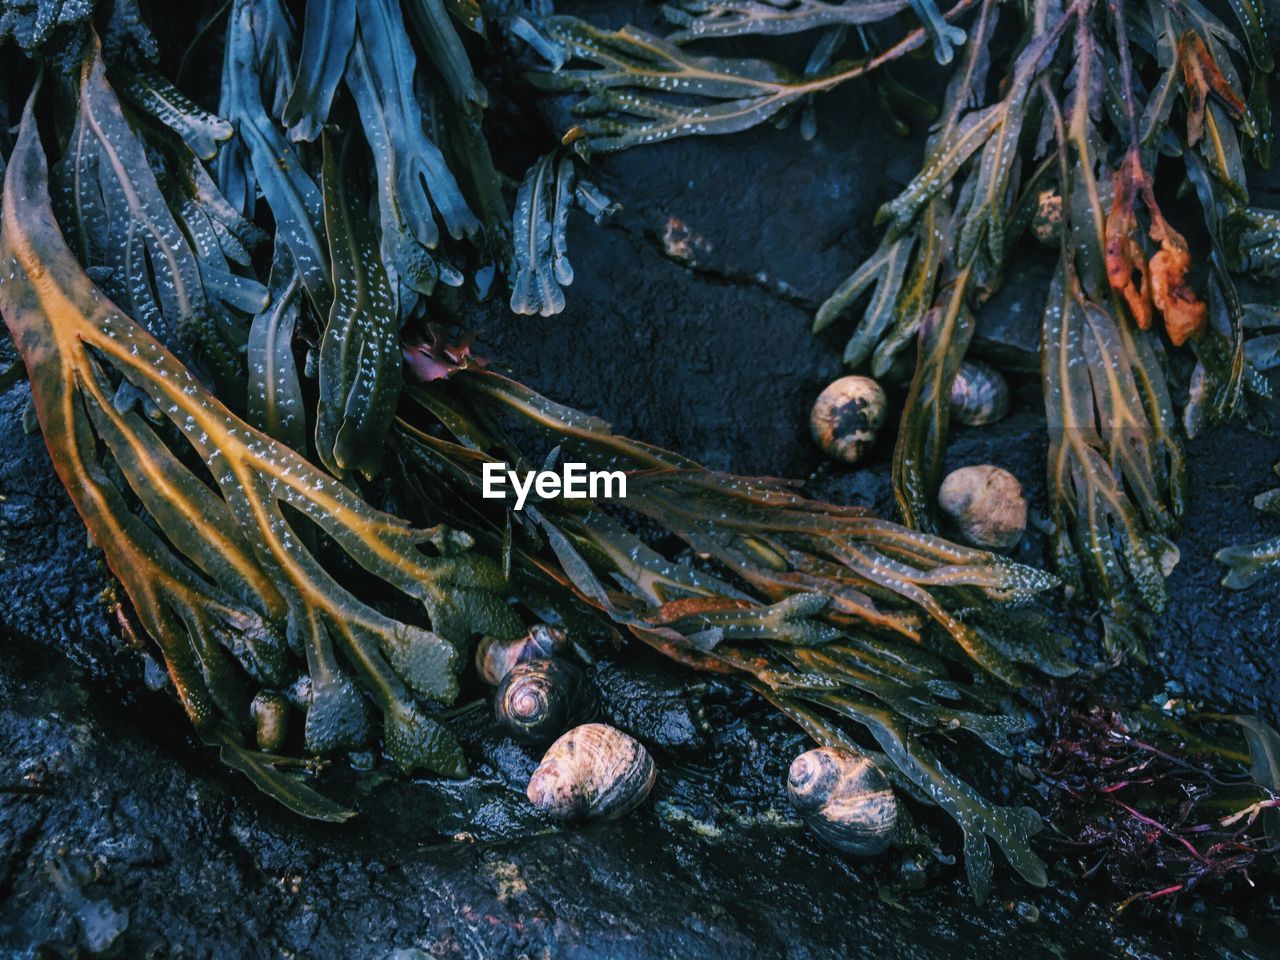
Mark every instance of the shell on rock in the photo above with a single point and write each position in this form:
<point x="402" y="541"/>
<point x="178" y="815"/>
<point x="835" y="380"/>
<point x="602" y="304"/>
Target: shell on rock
<point x="540" y="699"/>
<point x="593" y="772"/>
<point x="847" y="416"/>
<point x="495" y="658"/>
<point x="986" y="506"/>
<point x="979" y="394"/>
<point x="270" y="715"/>
<point x="844" y="799"/>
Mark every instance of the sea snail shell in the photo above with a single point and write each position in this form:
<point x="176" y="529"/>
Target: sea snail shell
<point x="844" y="799"/>
<point x="986" y="506"/>
<point x="495" y="658"/>
<point x="270" y="715"/>
<point x="540" y="699"/>
<point x="593" y="772"/>
<point x="979" y="394"/>
<point x="847" y="416"/>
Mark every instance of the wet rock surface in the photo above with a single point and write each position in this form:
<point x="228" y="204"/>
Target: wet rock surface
<point x="120" y="833"/>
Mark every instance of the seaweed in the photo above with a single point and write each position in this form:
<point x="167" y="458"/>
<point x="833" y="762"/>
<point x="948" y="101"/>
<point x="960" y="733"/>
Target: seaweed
<point x="541" y="266"/>
<point x="218" y="575"/>
<point x="644" y="89"/>
<point x="201" y="130"/>
<point x="1107" y="406"/>
<point x="223" y="241"/>
<point x="1248" y="563"/>
<point x="251" y="568"/>
<point x="359" y="365"/>
<point x="542" y="215"/>
<point x="434" y="27"/>
<point x="1157" y="801"/>
<point x="704" y="19"/>
<point x="275" y="404"/>
<point x="123" y="228"/>
<point x="328" y="32"/>
<point x="255" y="85"/>
<point x="427" y="156"/>
<point x="412" y="175"/>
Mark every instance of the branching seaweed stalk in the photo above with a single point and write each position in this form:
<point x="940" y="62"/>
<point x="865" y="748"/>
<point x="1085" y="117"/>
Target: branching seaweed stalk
<point x="220" y="577"/>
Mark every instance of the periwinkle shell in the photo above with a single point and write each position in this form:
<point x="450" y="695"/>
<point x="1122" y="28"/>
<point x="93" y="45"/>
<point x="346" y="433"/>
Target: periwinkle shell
<point x="847" y="416"/>
<point x="495" y="658"/>
<point x="540" y="699"/>
<point x="593" y="772"/>
<point x="979" y="394"/>
<point x="844" y="799"/>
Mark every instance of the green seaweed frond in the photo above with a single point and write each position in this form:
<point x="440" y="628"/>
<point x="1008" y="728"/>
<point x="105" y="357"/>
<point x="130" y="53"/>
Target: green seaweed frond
<point x="641" y="89"/>
<point x="214" y="559"/>
<point x="540" y="261"/>
<point x="1246" y="564"/>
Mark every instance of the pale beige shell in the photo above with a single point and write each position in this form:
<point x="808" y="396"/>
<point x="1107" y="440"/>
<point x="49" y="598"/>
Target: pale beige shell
<point x="270" y="715"/>
<point x="979" y="394"/>
<point x="495" y="658"/>
<point x="844" y="799"/>
<point x="985" y="505"/>
<point x="847" y="416"/>
<point x="593" y="772"/>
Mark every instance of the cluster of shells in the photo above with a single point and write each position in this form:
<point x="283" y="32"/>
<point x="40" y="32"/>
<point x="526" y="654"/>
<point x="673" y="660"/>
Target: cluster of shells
<point x="593" y="771"/>
<point x="982" y="504"/>
<point x="590" y="771"/>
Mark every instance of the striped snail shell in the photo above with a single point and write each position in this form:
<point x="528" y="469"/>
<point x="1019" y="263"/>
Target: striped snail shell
<point x="979" y="395"/>
<point x="844" y="799"/>
<point x="270" y="715"/>
<point x="540" y="699"/>
<point x="593" y="772"/>
<point x="495" y="658"/>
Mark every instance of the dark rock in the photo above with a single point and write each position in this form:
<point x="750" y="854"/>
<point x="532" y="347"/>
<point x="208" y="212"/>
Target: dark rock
<point x="1007" y="334"/>
<point x="654" y="702"/>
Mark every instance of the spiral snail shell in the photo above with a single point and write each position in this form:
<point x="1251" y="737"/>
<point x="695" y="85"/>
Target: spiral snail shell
<point x="847" y="416"/>
<point x="540" y="699"/>
<point x="593" y="772"/>
<point x="270" y="715"/>
<point x="844" y="799"/>
<point x="495" y="658"/>
<point x="979" y="394"/>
